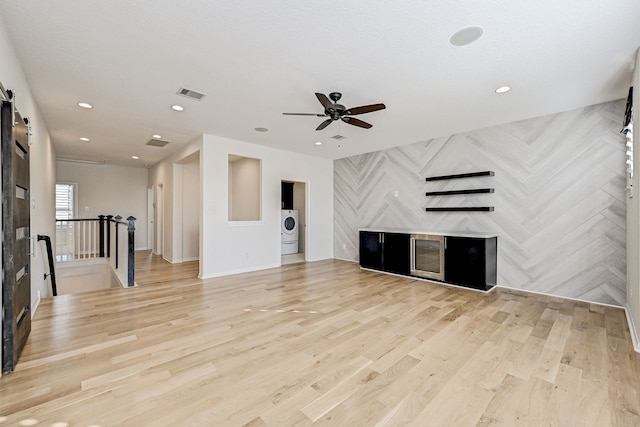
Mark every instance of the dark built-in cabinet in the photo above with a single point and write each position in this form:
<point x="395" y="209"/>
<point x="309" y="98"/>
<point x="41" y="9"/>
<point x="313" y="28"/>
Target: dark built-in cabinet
<point x="468" y="261"/>
<point x="287" y="195"/>
<point x="385" y="251"/>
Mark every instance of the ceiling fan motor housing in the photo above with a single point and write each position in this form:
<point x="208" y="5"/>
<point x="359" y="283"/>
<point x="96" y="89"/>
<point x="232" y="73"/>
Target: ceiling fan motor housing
<point x="337" y="112"/>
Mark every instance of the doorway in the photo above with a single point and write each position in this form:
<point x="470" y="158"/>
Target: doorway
<point x="293" y="203"/>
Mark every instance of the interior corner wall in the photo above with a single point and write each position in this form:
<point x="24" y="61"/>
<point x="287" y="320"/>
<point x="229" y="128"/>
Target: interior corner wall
<point x="42" y="167"/>
<point x="559" y="198"/>
<point x="191" y="210"/>
<point x="233" y="247"/>
<point x="162" y="174"/>
<point x="176" y="237"/>
<point x="633" y="218"/>
<point x="109" y="190"/>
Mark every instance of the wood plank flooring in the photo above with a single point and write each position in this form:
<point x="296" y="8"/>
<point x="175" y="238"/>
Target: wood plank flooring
<point x="321" y="343"/>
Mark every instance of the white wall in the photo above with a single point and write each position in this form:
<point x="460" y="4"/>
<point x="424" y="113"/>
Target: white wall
<point x="633" y="219"/>
<point x="165" y="174"/>
<point x="228" y="247"/>
<point x="109" y="190"/>
<point x="191" y="208"/>
<point x="42" y="164"/>
<point x="244" y="189"/>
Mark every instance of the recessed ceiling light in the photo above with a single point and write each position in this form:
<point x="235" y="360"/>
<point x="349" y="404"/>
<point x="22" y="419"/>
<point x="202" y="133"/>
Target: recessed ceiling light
<point x="318" y="143"/>
<point x="156" y="136"/>
<point x="503" y="89"/>
<point x="261" y="129"/>
<point x="135" y="157"/>
<point x="85" y="105"/>
<point x="177" y="107"/>
<point x="84" y="139"/>
<point x="466" y="36"/>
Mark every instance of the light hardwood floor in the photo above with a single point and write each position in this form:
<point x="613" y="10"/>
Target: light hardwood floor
<point x="321" y="343"/>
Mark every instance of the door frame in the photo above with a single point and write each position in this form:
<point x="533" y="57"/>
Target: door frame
<point x="150" y="218"/>
<point x="159" y="220"/>
<point x="303" y="220"/>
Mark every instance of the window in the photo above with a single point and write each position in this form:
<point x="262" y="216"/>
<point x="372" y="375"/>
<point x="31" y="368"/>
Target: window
<point x="65" y="201"/>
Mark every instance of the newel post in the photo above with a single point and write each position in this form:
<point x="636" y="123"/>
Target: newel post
<point x="118" y="218"/>
<point x="131" y="244"/>
<point x="101" y="234"/>
<point x="109" y="219"/>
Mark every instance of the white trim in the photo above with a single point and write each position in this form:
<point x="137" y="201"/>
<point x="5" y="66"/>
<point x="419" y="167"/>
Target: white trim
<point x="119" y="280"/>
<point x="560" y="296"/>
<point x="238" y="271"/>
<point x="635" y="338"/>
<point x="344" y="259"/>
<point x="35" y="308"/>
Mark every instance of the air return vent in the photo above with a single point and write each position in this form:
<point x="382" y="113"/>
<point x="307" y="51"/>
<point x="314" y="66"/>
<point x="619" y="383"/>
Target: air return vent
<point x="338" y="137"/>
<point x="191" y="94"/>
<point x="157" y="143"/>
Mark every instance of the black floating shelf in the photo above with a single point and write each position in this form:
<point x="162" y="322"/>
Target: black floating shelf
<point x="462" y="209"/>
<point x="452" y="192"/>
<point x="461" y="175"/>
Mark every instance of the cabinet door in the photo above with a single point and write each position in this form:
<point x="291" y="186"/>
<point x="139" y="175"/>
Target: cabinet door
<point x="287" y="195"/>
<point x="465" y="262"/>
<point x="371" y="249"/>
<point x="396" y="253"/>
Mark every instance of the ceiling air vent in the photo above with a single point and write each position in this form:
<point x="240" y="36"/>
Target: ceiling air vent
<point x="157" y="143"/>
<point x="338" y="137"/>
<point x="191" y="94"/>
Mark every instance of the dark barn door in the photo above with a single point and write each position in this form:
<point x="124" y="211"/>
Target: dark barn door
<point x="16" y="278"/>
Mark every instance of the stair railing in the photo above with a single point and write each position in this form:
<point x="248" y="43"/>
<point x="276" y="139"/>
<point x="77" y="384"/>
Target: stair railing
<point x="87" y="238"/>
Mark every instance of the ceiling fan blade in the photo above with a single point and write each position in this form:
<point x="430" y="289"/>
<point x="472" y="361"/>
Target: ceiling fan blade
<point x="324" y="124"/>
<point x="365" y="109"/>
<point x="304" y="114"/>
<point x="326" y="102"/>
<point x="356" y="122"/>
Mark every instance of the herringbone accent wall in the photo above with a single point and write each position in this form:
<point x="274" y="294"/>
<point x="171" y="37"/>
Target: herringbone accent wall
<point x="559" y="198"/>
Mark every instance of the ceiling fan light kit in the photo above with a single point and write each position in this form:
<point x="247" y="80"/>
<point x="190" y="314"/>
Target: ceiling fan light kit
<point x="335" y="111"/>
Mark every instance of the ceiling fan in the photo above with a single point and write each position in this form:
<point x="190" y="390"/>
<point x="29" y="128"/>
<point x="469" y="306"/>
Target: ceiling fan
<point x="336" y="111"/>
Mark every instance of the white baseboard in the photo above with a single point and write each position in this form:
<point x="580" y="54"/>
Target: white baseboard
<point x="344" y="259"/>
<point x="237" y="271"/>
<point x="559" y="296"/>
<point x="35" y="307"/>
<point x="635" y="338"/>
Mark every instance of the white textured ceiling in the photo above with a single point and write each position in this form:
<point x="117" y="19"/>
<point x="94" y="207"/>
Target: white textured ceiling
<point x="258" y="59"/>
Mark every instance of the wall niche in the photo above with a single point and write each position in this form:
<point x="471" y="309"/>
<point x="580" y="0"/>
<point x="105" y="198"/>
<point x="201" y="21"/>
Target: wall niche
<point x="245" y="183"/>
